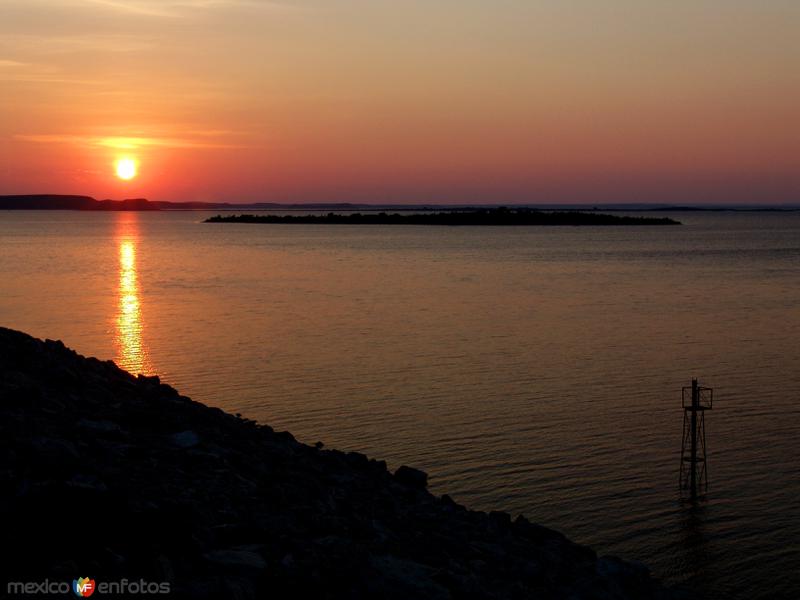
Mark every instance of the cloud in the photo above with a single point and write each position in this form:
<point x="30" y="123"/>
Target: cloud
<point x="17" y="71"/>
<point x="139" y="8"/>
<point x="176" y="8"/>
<point x="131" y="142"/>
<point x="10" y="64"/>
<point x="44" y="79"/>
<point x="42" y="45"/>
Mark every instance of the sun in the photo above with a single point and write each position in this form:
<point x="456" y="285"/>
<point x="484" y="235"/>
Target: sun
<point x="126" y="168"/>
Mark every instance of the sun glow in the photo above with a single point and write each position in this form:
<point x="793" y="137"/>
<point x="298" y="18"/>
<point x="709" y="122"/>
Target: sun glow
<point x="126" y="168"/>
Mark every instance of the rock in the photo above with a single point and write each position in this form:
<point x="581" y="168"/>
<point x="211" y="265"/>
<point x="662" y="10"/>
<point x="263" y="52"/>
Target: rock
<point x="614" y="566"/>
<point x="357" y="459"/>
<point x="411" y="477"/>
<point x="55" y="449"/>
<point x="98" y="426"/>
<point x="184" y="439"/>
<point x="407" y="578"/>
<point x="65" y="375"/>
<point x="152" y="380"/>
<point x="448" y="501"/>
<point x="88" y="482"/>
<point x="500" y="518"/>
<point x="240" y="561"/>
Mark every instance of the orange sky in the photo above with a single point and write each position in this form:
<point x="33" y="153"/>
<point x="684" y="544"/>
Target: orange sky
<point x="403" y="101"/>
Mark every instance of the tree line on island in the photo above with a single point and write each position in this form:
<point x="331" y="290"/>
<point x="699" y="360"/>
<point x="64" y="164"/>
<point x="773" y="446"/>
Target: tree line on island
<point x="493" y="216"/>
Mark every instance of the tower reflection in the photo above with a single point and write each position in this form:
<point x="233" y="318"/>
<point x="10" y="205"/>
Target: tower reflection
<point x="131" y="351"/>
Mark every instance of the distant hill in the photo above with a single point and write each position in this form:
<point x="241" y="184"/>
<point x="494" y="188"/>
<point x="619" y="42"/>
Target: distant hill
<point x="63" y="202"/>
<point x="47" y="202"/>
<point x="68" y="202"/>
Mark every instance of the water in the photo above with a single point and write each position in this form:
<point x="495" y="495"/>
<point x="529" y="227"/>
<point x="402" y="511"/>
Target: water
<point x="535" y="370"/>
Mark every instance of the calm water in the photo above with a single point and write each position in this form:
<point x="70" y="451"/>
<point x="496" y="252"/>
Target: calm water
<point x="536" y="370"/>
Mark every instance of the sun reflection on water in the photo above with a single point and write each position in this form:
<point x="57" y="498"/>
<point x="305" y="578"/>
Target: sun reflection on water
<point x="132" y="353"/>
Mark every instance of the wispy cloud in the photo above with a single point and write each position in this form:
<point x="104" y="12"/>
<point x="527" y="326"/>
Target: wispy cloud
<point x="132" y="142"/>
<point x="176" y="8"/>
<point x="46" y="80"/>
<point x="10" y="64"/>
<point x="150" y="9"/>
<point x="31" y="44"/>
<point x="25" y="72"/>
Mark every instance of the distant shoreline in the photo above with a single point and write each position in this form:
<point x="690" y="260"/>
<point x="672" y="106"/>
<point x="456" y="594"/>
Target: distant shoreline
<point x="481" y="217"/>
<point x="87" y="203"/>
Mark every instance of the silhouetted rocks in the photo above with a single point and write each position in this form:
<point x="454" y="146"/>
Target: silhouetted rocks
<point x="491" y="216"/>
<point x="412" y="477"/>
<point x="112" y="476"/>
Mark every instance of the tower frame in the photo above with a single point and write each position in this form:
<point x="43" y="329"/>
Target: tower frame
<point x="695" y="400"/>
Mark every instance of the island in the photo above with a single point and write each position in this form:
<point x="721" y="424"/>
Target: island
<point x="119" y="477"/>
<point x="481" y="217"/>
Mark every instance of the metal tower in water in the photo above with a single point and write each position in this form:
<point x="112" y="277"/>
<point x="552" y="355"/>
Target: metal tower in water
<point x="694" y="473"/>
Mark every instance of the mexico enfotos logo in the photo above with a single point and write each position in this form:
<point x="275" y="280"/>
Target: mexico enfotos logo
<point x="83" y="587"/>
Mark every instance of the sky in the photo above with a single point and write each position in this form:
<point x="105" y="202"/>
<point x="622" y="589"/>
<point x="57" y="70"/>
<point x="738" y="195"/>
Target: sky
<point x="403" y="101"/>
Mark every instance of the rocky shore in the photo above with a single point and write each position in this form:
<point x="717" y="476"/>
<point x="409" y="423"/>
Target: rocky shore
<point x="110" y="476"/>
